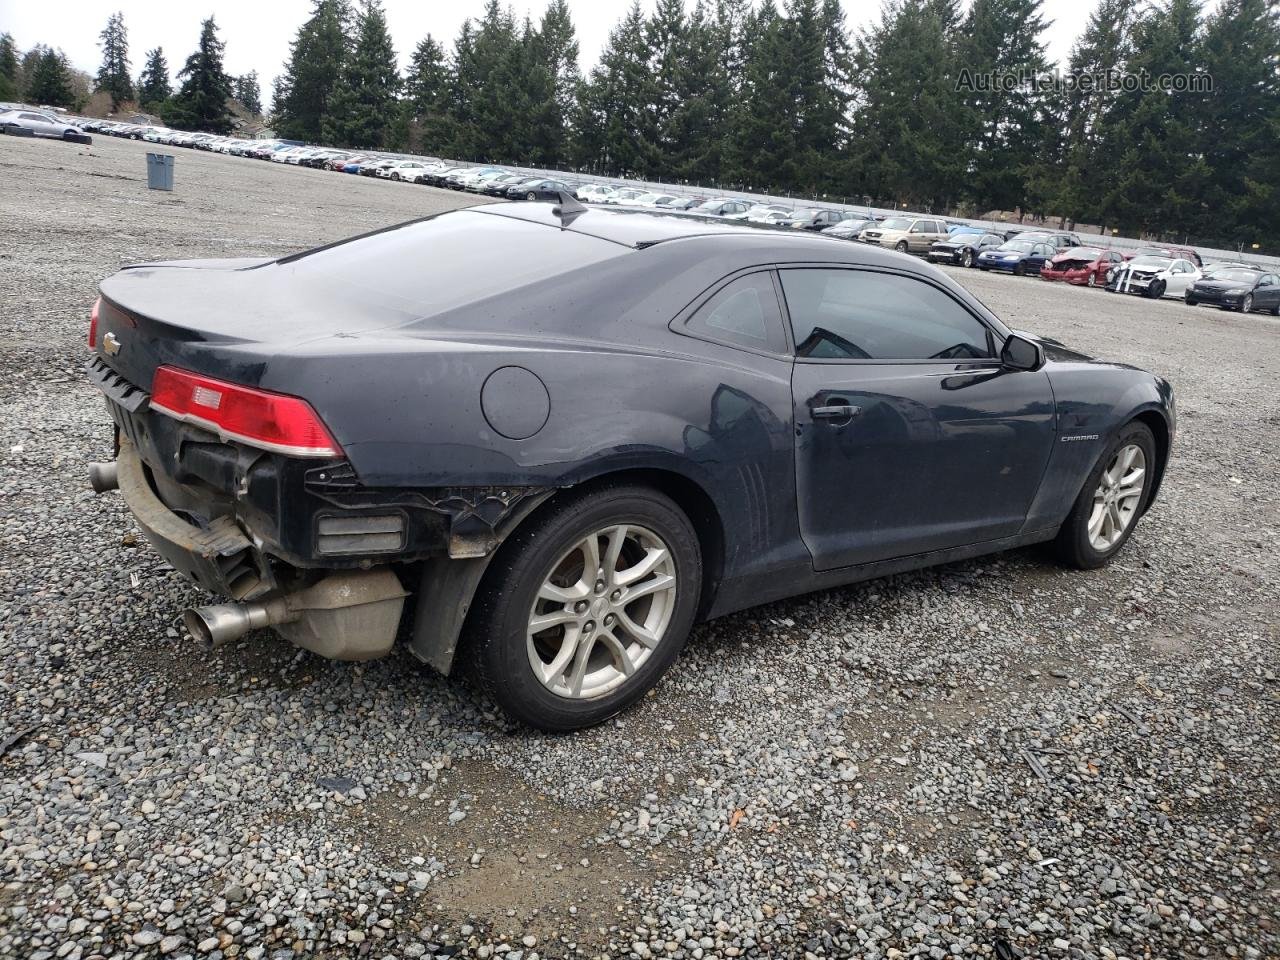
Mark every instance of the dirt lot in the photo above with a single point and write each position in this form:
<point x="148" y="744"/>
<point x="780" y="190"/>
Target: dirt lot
<point x="993" y="753"/>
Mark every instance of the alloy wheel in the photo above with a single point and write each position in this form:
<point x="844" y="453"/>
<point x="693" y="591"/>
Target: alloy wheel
<point x="1093" y="280"/>
<point x="1116" y="501"/>
<point x="968" y="258"/>
<point x="531" y="195"/>
<point x="1246" y="305"/>
<point x="601" y="611"/>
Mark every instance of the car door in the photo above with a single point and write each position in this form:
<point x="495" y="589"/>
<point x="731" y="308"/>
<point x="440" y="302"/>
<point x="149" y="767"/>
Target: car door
<point x="38" y="123"/>
<point x="1180" y="275"/>
<point x="1268" y="292"/>
<point x="918" y="237"/>
<point x="1041" y="254"/>
<point x="910" y="435"/>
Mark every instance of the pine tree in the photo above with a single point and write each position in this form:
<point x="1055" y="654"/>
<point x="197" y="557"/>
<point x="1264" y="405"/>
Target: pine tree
<point x="426" y="103"/>
<point x="907" y="140"/>
<point x="1097" y="56"/>
<point x="554" y="55"/>
<point x="201" y="102"/>
<point x="614" y="119"/>
<point x="317" y="62"/>
<point x="8" y="68"/>
<point x="248" y="93"/>
<point x="50" y="82"/>
<point x="1155" y="182"/>
<point x="1239" y="123"/>
<point x="762" y="143"/>
<point x="363" y="108"/>
<point x="495" y="94"/>
<point x="1001" y="39"/>
<point x="113" y="75"/>
<point x="665" y="38"/>
<point x="695" y="131"/>
<point x="153" y="84"/>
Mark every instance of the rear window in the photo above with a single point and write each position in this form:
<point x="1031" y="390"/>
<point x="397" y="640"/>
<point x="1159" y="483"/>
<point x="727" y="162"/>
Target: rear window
<point x="429" y="266"/>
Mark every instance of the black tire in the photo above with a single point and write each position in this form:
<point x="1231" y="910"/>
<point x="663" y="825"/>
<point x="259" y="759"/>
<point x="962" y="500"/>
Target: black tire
<point x="1275" y="311"/>
<point x="901" y="246"/>
<point x="1246" y="305"/>
<point x="1019" y="270"/>
<point x="1092" y="281"/>
<point x="1072" y="544"/>
<point x="531" y="195"/>
<point x="496" y="631"/>
<point x="395" y="176"/>
<point x="1156" y="289"/>
<point x="1190" y="300"/>
<point x="968" y="258"/>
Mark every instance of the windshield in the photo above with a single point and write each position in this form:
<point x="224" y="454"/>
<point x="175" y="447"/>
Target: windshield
<point x="1085" y="253"/>
<point x="965" y="237"/>
<point x="897" y="223"/>
<point x="1153" y="263"/>
<point x="1017" y="246"/>
<point x="1236" y="275"/>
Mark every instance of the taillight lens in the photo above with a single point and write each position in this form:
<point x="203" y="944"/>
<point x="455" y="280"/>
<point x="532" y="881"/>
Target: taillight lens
<point x="272" y="421"/>
<point x="93" y="324"/>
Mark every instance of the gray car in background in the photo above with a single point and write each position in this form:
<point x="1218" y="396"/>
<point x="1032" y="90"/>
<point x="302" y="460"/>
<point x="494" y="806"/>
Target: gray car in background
<point x="39" y="123"/>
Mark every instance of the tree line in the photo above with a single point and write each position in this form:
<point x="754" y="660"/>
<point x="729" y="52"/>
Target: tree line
<point x="777" y="96"/>
<point x="202" y="100"/>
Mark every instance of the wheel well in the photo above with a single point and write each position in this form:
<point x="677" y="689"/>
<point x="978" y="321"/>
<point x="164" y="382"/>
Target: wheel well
<point x="689" y="497"/>
<point x="1159" y="428"/>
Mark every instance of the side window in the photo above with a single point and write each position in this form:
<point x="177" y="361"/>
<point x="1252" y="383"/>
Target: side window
<point x="863" y="315"/>
<point x="918" y="226"/>
<point x="743" y="312"/>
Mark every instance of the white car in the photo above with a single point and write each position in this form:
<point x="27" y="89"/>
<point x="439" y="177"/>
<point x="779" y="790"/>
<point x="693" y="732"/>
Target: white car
<point x="157" y="134"/>
<point x="401" y="170"/>
<point x="1153" y="277"/>
<point x="653" y="200"/>
<point x="764" y="213"/>
<point x="595" y="192"/>
<point x="627" y="196"/>
<point x="41" y="124"/>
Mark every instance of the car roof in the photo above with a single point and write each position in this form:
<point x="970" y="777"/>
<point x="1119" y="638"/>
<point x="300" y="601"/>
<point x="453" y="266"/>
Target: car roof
<point x="631" y="228"/>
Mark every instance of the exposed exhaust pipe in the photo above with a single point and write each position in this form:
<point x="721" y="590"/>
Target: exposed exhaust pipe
<point x="346" y="616"/>
<point x="221" y="623"/>
<point x="102" y="477"/>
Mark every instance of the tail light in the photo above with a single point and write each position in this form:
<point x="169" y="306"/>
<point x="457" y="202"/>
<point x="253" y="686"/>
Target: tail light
<point x="260" y="418"/>
<point x="93" y="324"/>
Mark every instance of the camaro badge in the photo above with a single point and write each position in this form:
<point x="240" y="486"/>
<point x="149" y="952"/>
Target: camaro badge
<point x="1082" y="436"/>
<point x="110" y="344"/>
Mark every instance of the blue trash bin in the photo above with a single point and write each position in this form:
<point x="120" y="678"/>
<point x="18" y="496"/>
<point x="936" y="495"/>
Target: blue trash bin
<point x="159" y="171"/>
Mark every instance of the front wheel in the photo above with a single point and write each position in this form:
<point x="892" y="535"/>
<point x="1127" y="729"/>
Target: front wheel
<point x="531" y="195"/>
<point x="1246" y="305"/>
<point x="1111" y="500"/>
<point x="1189" y="300"/>
<point x="1019" y="270"/>
<point x="901" y="246"/>
<point x="1156" y="290"/>
<point x="968" y="258"/>
<point x="585" y="607"/>
<point x="1093" y="280"/>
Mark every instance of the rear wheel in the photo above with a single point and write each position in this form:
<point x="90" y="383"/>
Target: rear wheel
<point x="1111" y="500"/>
<point x="586" y="607"/>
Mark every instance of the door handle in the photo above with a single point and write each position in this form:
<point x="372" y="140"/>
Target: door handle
<point x="836" y="411"/>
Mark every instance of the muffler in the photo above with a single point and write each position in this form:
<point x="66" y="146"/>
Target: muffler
<point x="345" y="616"/>
<point x="102" y="477"/>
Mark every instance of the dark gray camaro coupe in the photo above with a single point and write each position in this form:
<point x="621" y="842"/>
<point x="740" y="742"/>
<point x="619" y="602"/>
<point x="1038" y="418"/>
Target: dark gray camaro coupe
<point x="549" y="441"/>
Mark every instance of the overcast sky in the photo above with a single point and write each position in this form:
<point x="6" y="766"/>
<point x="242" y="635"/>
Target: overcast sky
<point x="257" y="32"/>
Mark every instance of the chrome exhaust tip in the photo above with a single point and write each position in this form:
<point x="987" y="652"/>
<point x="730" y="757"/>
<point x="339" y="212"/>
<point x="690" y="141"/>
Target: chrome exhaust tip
<point x="221" y="623"/>
<point x="102" y="477"/>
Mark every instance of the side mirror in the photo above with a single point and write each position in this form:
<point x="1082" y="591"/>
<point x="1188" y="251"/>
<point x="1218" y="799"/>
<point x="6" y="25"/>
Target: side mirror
<point x="1019" y="353"/>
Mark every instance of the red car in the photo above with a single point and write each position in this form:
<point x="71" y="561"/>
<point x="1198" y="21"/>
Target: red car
<point x="1083" y="266"/>
<point x="1160" y="250"/>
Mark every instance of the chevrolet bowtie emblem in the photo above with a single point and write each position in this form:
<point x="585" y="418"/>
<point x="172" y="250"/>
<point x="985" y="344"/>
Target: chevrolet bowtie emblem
<point x="110" y="344"/>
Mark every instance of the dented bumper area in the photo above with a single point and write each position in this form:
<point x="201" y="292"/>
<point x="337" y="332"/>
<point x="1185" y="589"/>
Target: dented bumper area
<point x="302" y="546"/>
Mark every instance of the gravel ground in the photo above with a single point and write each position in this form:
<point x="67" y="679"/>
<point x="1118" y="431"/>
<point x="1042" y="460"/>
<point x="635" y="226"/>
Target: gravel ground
<point x="994" y="758"/>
